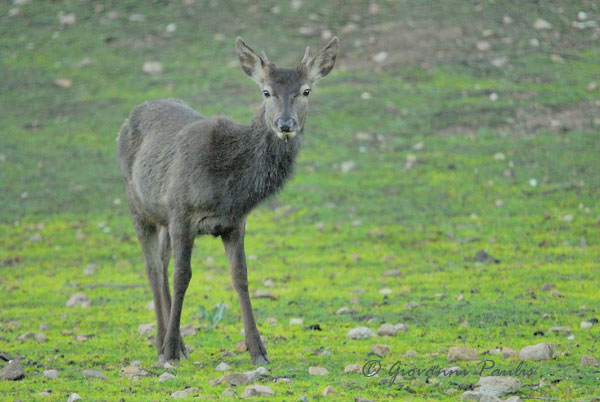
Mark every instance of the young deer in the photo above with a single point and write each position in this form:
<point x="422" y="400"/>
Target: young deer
<point x="188" y="175"/>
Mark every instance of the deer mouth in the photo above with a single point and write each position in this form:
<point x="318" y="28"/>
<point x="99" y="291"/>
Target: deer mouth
<point x="285" y="135"/>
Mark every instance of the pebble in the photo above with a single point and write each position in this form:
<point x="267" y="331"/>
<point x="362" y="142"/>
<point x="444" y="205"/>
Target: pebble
<point x="509" y="352"/>
<point x="79" y="299"/>
<point x="401" y="327"/>
<point x="254" y="375"/>
<point x="316" y="370"/>
<point x="94" y="374"/>
<point x="456" y="353"/>
<point x="387" y="330"/>
<point x="296" y="321"/>
<point x="343" y="310"/>
<point x="74" y="397"/>
<point x="410" y="353"/>
<point x="90" y="269"/>
<point x="380" y="57"/>
<point x="223" y="367"/>
<point x="165" y="377"/>
<point x="353" y="368"/>
<point x="145" y="329"/>
<point x="228" y="392"/>
<point x="329" y="390"/>
<point x="153" y="67"/>
<point x="541" y="351"/>
<point x="188" y="330"/>
<point x="381" y="350"/>
<point x="589" y="361"/>
<point x="347" y="166"/>
<point x="133" y="372"/>
<point x="234" y="379"/>
<point x="13" y="371"/>
<point x="360" y="333"/>
<point x="541" y="24"/>
<point x="257" y="390"/>
<point x="585" y="325"/>
<point x="499" y="385"/>
<point x="184" y="393"/>
<point x="561" y="330"/>
<point x="51" y="374"/>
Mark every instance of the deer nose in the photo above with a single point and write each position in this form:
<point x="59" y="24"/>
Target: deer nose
<point x="285" y="125"/>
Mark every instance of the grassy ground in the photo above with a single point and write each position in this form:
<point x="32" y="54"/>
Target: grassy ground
<point x="446" y="139"/>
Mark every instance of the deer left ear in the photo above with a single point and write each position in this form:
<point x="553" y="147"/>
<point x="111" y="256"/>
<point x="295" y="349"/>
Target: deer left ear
<point x="323" y="62"/>
<point x="252" y="64"/>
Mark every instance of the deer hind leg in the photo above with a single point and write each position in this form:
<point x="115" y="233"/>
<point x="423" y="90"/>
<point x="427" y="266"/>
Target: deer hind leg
<point x="164" y="244"/>
<point x="147" y="234"/>
<point x="182" y="242"/>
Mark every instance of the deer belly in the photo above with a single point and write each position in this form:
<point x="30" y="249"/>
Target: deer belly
<point x="214" y="225"/>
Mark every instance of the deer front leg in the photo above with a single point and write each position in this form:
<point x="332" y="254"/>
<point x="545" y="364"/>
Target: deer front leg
<point x="234" y="248"/>
<point x="182" y="242"/>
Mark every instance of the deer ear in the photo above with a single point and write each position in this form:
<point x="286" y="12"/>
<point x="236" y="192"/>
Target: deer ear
<point x="252" y="64"/>
<point x="323" y="62"/>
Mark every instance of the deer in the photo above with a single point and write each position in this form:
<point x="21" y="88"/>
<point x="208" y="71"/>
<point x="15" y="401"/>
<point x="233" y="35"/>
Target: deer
<point x="188" y="175"/>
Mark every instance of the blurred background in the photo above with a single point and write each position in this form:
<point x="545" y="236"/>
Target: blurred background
<point x="408" y="70"/>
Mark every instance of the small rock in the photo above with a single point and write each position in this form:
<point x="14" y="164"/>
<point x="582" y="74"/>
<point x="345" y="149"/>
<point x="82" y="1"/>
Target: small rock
<point x="387" y="330"/>
<point x="63" y="83"/>
<point x="94" y="374"/>
<point x="153" y="68"/>
<point x="283" y="380"/>
<point x="51" y="374"/>
<point x="86" y="61"/>
<point x="401" y="327"/>
<point x="137" y="18"/>
<point x="353" y="368"/>
<point x="234" y="379"/>
<point x="90" y="269"/>
<point x="380" y="57"/>
<point x="541" y="24"/>
<point x="253" y="376"/>
<point x="296" y="321"/>
<point x="411" y="305"/>
<point x="360" y="333"/>
<point x="589" y="361"/>
<point x="165" y="377"/>
<point x="315" y="370"/>
<point x="561" y="330"/>
<point x="592" y="86"/>
<point x="133" y="372"/>
<point x="456" y="353"/>
<point x="145" y="329"/>
<point x="188" y="330"/>
<point x="393" y="273"/>
<point x="241" y="347"/>
<point x="385" y="291"/>
<point x="257" y="390"/>
<point x="509" y="352"/>
<point x="483" y="45"/>
<point x="343" y="310"/>
<point x="450" y="371"/>
<point x="515" y="398"/>
<point x="541" y="351"/>
<point x="329" y="390"/>
<point x="13" y="371"/>
<point x="79" y="299"/>
<point x="66" y="19"/>
<point x="410" y="353"/>
<point x="74" y="397"/>
<point x="228" y="392"/>
<point x="499" y="385"/>
<point x="44" y="393"/>
<point x="264" y="294"/>
<point x="585" y="325"/>
<point x="184" y="393"/>
<point x="363" y="400"/>
<point x="222" y="367"/>
<point x="381" y="350"/>
<point x="347" y="166"/>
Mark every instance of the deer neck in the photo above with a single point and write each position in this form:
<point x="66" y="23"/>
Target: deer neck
<point x="274" y="158"/>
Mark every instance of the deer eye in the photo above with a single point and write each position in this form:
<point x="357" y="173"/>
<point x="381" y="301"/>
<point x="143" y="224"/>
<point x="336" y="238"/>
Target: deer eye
<point x="306" y="92"/>
<point x="266" y="94"/>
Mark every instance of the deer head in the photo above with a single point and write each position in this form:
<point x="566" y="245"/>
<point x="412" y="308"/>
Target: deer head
<point x="285" y="91"/>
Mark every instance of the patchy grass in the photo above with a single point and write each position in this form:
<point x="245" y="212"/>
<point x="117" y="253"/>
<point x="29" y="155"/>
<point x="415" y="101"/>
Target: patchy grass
<point x="442" y="172"/>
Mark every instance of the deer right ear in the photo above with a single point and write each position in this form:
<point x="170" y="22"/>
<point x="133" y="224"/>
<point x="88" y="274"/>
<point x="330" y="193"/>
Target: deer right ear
<point x="323" y="62"/>
<point x="252" y="64"/>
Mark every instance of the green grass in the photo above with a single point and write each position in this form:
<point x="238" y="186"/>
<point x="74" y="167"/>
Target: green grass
<point x="328" y="238"/>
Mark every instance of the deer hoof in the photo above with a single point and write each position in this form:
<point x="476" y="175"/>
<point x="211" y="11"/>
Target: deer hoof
<point x="260" y="360"/>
